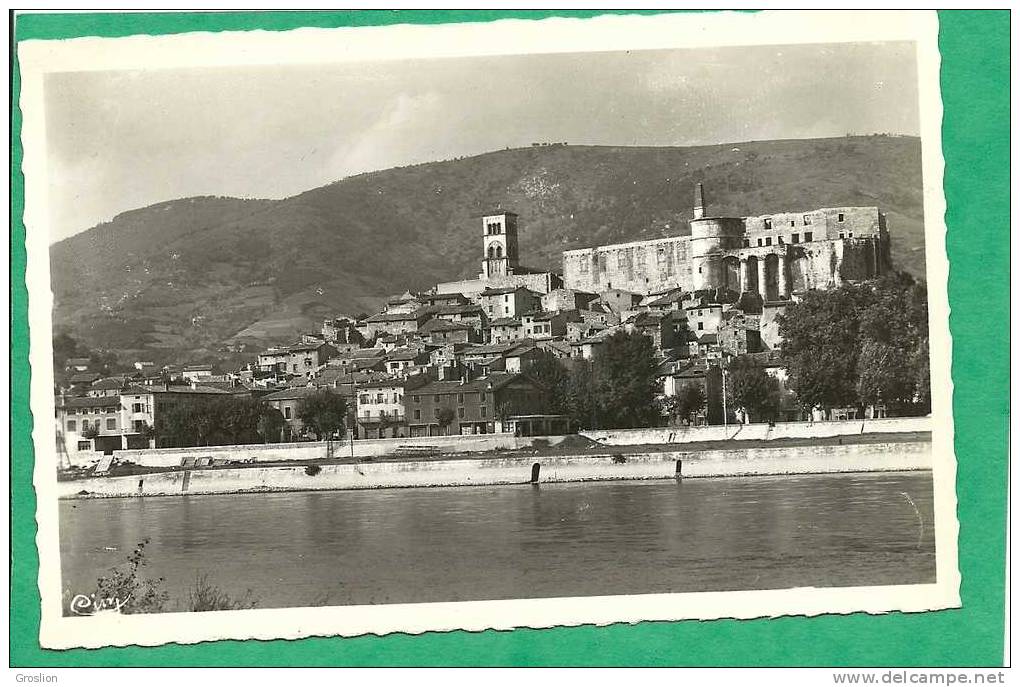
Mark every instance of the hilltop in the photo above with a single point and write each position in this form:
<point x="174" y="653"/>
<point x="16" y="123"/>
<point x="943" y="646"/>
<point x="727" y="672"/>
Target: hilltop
<point x="184" y="278"/>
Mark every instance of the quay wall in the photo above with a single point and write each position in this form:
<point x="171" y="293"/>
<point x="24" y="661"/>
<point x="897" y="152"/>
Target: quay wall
<point x="758" y="431"/>
<point x="318" y="450"/>
<point x="489" y="471"/>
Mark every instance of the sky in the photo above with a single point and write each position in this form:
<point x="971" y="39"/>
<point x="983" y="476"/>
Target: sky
<point x="123" y="140"/>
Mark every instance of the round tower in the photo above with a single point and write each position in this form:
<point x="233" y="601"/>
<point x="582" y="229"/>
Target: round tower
<point x="710" y="238"/>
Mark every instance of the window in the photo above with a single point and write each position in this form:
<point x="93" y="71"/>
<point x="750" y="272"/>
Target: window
<point x="363" y="398"/>
<point x="482" y="397"/>
<point x="482" y="411"/>
<point x="840" y="234"/>
<point x="795" y="238"/>
<point x="460" y="412"/>
<point x="851" y="234"/>
<point x="286" y="412"/>
<point x="71" y="425"/>
<point x="111" y="423"/>
<point x="807" y="219"/>
<point x="807" y="236"/>
<point x="460" y="398"/>
<point x="84" y="445"/>
<point x="137" y="407"/>
<point x="747" y="243"/>
<point x="780" y="240"/>
<point x="768" y="240"/>
<point x="768" y="222"/>
<point x="840" y="217"/>
<point x="293" y="367"/>
<point x="435" y="412"/>
<point x="72" y="411"/>
<point x="417" y="414"/>
<point x="139" y="425"/>
<point x="701" y="326"/>
<point x="379" y="398"/>
<point x="435" y="399"/>
<point x="759" y="241"/>
<point x="368" y="414"/>
<point x="793" y="223"/>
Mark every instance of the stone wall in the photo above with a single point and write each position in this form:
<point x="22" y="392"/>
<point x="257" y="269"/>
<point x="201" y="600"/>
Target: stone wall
<point x="661" y="465"/>
<point x="758" y="431"/>
<point x="315" y="450"/>
<point x="641" y="266"/>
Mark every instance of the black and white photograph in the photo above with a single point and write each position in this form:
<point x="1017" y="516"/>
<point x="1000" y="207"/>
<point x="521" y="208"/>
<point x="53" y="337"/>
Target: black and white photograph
<point x="515" y="324"/>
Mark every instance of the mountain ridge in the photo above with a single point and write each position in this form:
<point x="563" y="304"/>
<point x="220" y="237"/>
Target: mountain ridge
<point x="195" y="277"/>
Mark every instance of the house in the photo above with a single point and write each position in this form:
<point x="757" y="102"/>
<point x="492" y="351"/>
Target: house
<point x="442" y="299"/>
<point x="197" y="373"/>
<point x="567" y="299"/>
<point x="468" y="313"/>
<point x="663" y="328"/>
<point x="444" y="331"/>
<point x="380" y="406"/>
<point x="469" y="406"/>
<point x="402" y="358"/>
<point x="77" y="365"/>
<point x="739" y="336"/>
<point x="521" y="358"/>
<point x="404" y="303"/>
<point x="107" y="386"/>
<point x="677" y="374"/>
<point x="144" y="365"/>
<point x="288" y="402"/>
<point x="392" y="323"/>
<point x="703" y="317"/>
<point x="90" y="423"/>
<point x="130" y="418"/>
<point x="508" y="301"/>
<point x="619" y="300"/>
<point x="306" y="358"/>
<point x="505" y="329"/>
<point x="546" y="325"/>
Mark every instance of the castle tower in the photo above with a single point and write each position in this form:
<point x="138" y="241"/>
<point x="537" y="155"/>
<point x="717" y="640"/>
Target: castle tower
<point x="499" y="244"/>
<point x="710" y="238"/>
<point x="699" y="201"/>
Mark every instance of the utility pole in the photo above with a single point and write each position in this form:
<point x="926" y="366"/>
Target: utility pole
<point x="725" y="420"/>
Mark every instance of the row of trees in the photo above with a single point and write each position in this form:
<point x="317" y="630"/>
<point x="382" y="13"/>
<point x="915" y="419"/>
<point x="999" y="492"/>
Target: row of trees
<point x="222" y="421"/>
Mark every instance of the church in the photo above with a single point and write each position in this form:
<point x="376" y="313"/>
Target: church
<point x="501" y="266"/>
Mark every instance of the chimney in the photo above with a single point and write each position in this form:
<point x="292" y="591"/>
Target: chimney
<point x="699" y="201"/>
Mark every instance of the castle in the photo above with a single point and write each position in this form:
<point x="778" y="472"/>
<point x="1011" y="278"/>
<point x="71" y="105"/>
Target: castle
<point x="770" y="256"/>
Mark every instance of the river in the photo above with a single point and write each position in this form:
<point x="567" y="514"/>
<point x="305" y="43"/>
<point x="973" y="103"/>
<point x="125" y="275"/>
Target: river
<point x="466" y="543"/>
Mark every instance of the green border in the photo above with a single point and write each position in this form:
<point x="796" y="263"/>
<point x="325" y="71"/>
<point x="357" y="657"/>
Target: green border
<point x="975" y="89"/>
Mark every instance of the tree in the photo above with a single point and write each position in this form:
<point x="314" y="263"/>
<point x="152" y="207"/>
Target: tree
<point x="688" y="402"/>
<point x="270" y="424"/>
<point x="750" y="387"/>
<point x="323" y="413"/>
<point x="625" y="381"/>
<point x="552" y="380"/>
<point x="445" y="418"/>
<point x="884" y="375"/>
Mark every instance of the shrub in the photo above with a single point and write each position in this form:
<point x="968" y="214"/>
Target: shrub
<point x="204" y="596"/>
<point x="619" y="458"/>
<point x="312" y="470"/>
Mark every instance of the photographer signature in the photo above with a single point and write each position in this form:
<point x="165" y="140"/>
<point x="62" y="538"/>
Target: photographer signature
<point x="83" y="604"/>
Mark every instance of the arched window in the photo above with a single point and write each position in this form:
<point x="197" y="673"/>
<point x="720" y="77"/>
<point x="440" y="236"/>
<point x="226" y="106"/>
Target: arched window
<point x="492" y="251"/>
<point x="499" y="251"/>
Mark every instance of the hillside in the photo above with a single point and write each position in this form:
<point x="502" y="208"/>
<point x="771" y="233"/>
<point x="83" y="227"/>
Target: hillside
<point x="183" y="278"/>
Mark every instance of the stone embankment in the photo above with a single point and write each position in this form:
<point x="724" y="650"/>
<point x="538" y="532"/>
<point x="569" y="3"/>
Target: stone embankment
<point x="481" y="443"/>
<point x="850" y="457"/>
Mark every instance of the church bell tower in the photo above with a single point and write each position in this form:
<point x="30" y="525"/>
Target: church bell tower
<point x="499" y="244"/>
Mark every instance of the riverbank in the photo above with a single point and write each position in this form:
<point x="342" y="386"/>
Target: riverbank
<point x="615" y="465"/>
